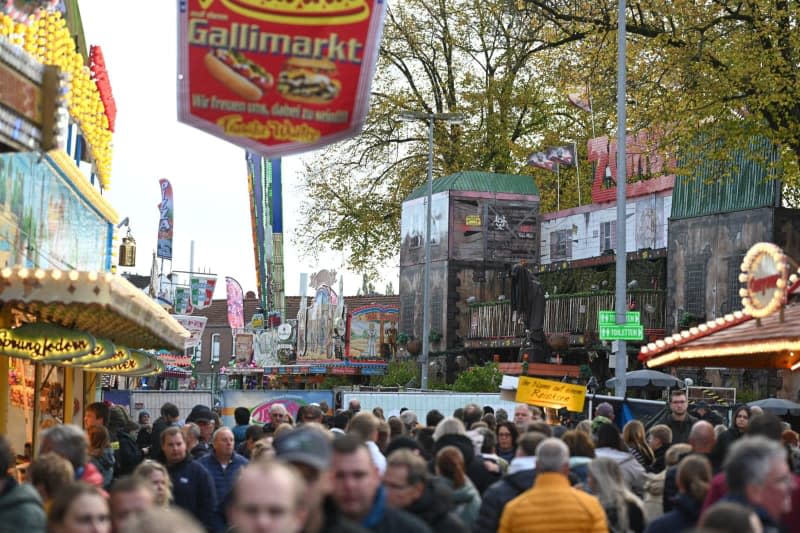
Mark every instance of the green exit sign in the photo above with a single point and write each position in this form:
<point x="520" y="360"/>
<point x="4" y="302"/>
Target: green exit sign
<point x="610" y="318"/>
<point x="624" y="332"/>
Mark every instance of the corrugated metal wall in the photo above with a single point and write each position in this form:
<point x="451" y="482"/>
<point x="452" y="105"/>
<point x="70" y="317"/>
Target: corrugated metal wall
<point x="750" y="184"/>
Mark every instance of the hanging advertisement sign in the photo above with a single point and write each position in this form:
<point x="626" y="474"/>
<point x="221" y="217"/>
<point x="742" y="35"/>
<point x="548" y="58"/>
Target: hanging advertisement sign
<point x="243" y="348"/>
<point x="165" y="221"/>
<point x="183" y="304"/>
<point x="235" y="303"/>
<point x="195" y="326"/>
<point x="277" y="77"/>
<point x="202" y="289"/>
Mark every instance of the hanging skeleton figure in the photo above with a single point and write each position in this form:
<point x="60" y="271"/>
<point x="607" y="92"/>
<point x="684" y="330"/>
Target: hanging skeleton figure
<point x="528" y="306"/>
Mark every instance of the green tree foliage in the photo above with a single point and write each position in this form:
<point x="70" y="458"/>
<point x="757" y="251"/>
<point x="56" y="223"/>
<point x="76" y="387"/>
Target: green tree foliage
<point x="484" y="378"/>
<point x="474" y="57"/>
<point x="726" y="68"/>
<point x="398" y="374"/>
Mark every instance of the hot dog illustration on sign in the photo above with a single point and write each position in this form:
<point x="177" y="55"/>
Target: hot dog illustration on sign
<point x="239" y="74"/>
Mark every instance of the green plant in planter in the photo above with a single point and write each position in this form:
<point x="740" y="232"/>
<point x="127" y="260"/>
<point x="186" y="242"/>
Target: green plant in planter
<point x="403" y="338"/>
<point x="434" y="336"/>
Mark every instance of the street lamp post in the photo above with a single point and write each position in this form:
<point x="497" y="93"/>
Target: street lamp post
<point x="430" y="118"/>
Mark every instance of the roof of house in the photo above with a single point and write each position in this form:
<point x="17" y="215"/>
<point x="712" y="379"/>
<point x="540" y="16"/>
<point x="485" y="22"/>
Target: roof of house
<point x="473" y="180"/>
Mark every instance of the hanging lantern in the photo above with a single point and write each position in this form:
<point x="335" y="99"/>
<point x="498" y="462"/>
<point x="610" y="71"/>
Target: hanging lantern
<point x="127" y="251"/>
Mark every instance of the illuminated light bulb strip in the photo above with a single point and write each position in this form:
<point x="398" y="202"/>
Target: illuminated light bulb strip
<point x="103" y="303"/>
<point x="651" y="350"/>
<point x="728" y="350"/>
<point x="47" y="38"/>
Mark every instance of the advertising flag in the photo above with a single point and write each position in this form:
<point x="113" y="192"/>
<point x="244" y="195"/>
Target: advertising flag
<point x="540" y="159"/>
<point x="235" y="303"/>
<point x="183" y="301"/>
<point x="563" y="155"/>
<point x="579" y="97"/>
<point x="202" y="290"/>
<point x="166" y="215"/>
<point x="195" y="326"/>
<point x="277" y="77"/>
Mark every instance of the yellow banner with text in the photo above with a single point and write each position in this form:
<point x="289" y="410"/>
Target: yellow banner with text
<point x="546" y="393"/>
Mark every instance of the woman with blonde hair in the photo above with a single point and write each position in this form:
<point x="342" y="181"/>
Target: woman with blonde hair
<point x="624" y="510"/>
<point x="633" y="435"/>
<point x="694" y="479"/>
<point x="465" y="498"/>
<point x="156" y="476"/>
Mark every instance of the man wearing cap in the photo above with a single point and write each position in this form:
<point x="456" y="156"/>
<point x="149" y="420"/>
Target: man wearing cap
<point x="204" y="418"/>
<point x="224" y="464"/>
<point x="308" y="449"/>
<point x="359" y="494"/>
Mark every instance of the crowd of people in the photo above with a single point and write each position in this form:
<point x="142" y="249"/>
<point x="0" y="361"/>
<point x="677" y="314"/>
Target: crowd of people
<point x="478" y="470"/>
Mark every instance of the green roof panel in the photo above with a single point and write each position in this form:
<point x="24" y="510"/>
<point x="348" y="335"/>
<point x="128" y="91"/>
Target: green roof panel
<point x="750" y="184"/>
<point x="473" y="180"/>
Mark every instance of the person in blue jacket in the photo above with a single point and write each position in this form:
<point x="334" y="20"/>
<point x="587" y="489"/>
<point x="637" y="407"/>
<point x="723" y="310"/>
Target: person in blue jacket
<point x="192" y="486"/>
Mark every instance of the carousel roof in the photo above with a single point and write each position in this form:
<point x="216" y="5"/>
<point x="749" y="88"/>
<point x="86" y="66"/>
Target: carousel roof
<point x="737" y="340"/>
<point x="101" y="304"/>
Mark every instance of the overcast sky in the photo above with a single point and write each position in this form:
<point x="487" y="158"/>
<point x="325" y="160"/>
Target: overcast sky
<point x="208" y="175"/>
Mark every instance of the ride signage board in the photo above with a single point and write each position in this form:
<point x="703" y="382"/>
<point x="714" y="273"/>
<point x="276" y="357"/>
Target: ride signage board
<point x="632" y="330"/>
<point x="277" y="77"/>
<point x="765" y="271"/>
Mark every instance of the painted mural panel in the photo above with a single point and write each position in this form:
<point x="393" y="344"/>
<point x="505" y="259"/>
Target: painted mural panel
<point x="413" y="228"/>
<point x="259" y="402"/>
<point x="373" y="331"/>
<point x="322" y="328"/>
<point x="44" y="222"/>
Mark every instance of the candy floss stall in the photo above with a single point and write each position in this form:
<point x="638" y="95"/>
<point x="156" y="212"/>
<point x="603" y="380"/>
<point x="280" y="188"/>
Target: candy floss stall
<point x="59" y="331"/>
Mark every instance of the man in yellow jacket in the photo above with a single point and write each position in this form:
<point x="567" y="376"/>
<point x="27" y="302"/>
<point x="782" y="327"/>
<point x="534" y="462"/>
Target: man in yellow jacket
<point x="552" y="505"/>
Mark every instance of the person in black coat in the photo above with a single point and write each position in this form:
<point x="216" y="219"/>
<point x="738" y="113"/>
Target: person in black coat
<point x="520" y="478"/>
<point x="409" y="487"/>
<point x="741" y="421"/>
<point x="169" y="417"/>
<point x="192" y="486"/>
<point x="450" y="432"/>
<point x="694" y="479"/>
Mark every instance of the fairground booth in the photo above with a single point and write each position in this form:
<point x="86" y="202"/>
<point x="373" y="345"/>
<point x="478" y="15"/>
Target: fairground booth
<point x="65" y="318"/>
<point x="764" y="334"/>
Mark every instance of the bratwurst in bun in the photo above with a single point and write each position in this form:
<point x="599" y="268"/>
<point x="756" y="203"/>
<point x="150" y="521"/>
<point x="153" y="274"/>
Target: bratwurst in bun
<point x="309" y="80"/>
<point x="239" y="74"/>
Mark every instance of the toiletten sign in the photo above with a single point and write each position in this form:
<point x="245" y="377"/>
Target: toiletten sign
<point x="277" y="77"/>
